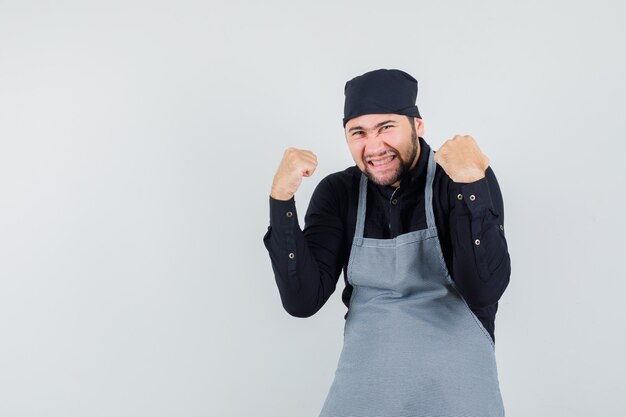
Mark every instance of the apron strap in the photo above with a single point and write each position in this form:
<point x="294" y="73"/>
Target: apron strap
<point x="360" y="215"/>
<point x="428" y="199"/>
<point x="428" y="190"/>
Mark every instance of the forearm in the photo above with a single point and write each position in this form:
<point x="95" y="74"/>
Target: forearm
<point x="303" y="284"/>
<point x="481" y="261"/>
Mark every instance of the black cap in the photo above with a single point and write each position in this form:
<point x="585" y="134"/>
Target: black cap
<point x="380" y="92"/>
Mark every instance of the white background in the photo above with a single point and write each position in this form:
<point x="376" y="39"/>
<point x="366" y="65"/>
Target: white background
<point x="138" y="142"/>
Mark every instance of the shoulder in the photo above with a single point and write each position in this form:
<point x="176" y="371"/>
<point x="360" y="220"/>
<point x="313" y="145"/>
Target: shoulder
<point x="336" y="190"/>
<point x="340" y="182"/>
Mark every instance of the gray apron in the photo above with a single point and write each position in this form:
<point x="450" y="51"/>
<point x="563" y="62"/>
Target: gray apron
<point x="412" y="346"/>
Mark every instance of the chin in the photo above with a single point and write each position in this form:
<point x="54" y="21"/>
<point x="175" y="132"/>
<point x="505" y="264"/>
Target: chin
<point x="383" y="180"/>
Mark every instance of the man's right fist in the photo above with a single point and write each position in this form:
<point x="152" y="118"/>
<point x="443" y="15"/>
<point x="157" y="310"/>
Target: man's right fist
<point x="296" y="163"/>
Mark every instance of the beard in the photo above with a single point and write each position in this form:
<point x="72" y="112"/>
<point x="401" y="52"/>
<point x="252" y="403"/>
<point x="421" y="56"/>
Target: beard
<point x="402" y="169"/>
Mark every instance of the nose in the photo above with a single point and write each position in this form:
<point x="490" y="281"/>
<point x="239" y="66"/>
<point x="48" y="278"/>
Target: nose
<point x="374" y="145"/>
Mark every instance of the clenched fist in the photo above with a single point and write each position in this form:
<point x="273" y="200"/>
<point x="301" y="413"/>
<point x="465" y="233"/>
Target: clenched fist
<point x="461" y="159"/>
<point x="296" y="163"/>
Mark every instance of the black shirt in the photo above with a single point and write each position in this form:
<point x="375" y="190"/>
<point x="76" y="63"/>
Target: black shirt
<point x="469" y="219"/>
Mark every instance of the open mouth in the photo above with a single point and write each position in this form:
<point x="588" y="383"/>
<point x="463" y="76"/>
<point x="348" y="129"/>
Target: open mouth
<point x="381" y="162"/>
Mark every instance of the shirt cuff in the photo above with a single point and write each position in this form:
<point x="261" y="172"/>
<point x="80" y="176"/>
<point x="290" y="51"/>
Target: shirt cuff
<point x="283" y="213"/>
<point x="475" y="195"/>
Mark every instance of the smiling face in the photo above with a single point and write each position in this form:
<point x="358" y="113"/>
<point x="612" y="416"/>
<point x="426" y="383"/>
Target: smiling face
<point x="384" y="146"/>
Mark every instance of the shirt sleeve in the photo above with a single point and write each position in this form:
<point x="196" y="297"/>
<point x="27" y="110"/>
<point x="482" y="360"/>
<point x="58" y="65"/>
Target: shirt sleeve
<point x="481" y="261"/>
<point x="306" y="263"/>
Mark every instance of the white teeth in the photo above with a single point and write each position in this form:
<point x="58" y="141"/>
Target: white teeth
<point x="382" y="161"/>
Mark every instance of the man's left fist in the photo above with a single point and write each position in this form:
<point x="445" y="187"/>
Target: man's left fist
<point x="462" y="159"/>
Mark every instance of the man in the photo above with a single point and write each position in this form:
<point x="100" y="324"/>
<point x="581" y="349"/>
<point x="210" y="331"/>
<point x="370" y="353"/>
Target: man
<point x="420" y="238"/>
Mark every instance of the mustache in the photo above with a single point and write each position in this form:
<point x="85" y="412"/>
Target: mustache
<point x="384" y="152"/>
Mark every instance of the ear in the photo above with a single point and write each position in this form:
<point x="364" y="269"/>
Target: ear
<point x="419" y="126"/>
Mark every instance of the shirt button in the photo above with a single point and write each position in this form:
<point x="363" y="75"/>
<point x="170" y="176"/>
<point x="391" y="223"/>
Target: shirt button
<point x="289" y="214"/>
<point x="472" y="197"/>
<point x="460" y="197"/>
<point x="394" y="201"/>
<point x="291" y="255"/>
<point x="477" y="242"/>
<point x="501" y="227"/>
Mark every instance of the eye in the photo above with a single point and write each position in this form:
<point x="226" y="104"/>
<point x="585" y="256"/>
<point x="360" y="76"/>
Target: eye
<point x="357" y="133"/>
<point x="385" y="127"/>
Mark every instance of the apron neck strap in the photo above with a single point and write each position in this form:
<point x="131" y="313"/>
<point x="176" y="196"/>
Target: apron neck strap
<point x="428" y="190"/>
<point x="428" y="198"/>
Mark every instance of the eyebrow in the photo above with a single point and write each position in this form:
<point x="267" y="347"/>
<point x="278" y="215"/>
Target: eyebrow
<point x="377" y="126"/>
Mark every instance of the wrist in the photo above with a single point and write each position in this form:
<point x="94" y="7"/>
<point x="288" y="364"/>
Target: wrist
<point x="470" y="176"/>
<point x="282" y="196"/>
<point x="466" y="180"/>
